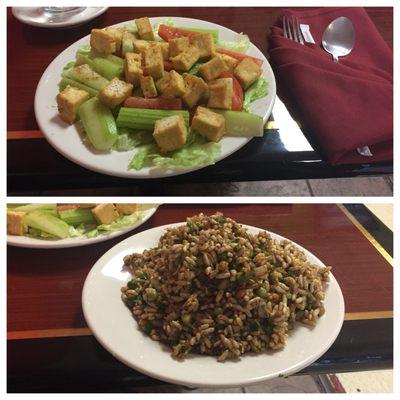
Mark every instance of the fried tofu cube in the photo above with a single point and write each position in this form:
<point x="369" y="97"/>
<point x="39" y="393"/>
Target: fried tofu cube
<point x="115" y="92"/>
<point x="170" y="133"/>
<point x="69" y="101"/>
<point x="205" y="43"/>
<point x="105" y="213"/>
<point x="171" y="85"/>
<point x="247" y="72"/>
<point x="220" y="93"/>
<point x="15" y="224"/>
<point x="126" y="209"/>
<point x="141" y="46"/>
<point x="164" y="49"/>
<point x="103" y="41"/>
<point x="154" y="62"/>
<point x="178" y="46"/>
<point x="133" y="68"/>
<point x="212" y="69"/>
<point x="144" y="28"/>
<point x="185" y="60"/>
<point x="148" y="87"/>
<point x="117" y="34"/>
<point x="195" y="88"/>
<point x="208" y="124"/>
<point x="229" y="61"/>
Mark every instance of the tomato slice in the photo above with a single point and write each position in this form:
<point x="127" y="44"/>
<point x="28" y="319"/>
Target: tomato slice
<point x="168" y="32"/>
<point x="158" y="103"/>
<point x="237" y="98"/>
<point x="240" y="56"/>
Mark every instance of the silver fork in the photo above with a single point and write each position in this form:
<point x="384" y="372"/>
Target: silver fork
<point x="291" y="29"/>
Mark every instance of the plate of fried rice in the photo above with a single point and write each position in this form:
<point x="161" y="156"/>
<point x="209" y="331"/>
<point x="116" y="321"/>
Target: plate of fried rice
<point x="213" y="303"/>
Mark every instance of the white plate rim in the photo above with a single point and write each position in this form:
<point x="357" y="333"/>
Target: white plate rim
<point x="199" y="384"/>
<point x="148" y="172"/>
<point x="36" y="243"/>
<point x="54" y="25"/>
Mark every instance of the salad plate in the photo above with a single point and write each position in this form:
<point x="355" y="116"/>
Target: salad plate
<point x="145" y="212"/>
<point x="104" y="310"/>
<point x="69" y="141"/>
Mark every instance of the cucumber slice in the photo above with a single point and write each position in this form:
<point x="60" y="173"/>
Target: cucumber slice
<point x="99" y="124"/>
<point x="67" y="81"/>
<point x="77" y="216"/>
<point x="47" y="223"/>
<point x="242" y="124"/>
<point x="36" y="207"/>
<point x="86" y="75"/>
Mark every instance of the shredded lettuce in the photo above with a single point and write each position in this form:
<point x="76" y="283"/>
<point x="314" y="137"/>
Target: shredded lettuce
<point x="240" y="44"/>
<point x="129" y="139"/>
<point x="256" y="91"/>
<point x="119" y="224"/>
<point x="196" y="153"/>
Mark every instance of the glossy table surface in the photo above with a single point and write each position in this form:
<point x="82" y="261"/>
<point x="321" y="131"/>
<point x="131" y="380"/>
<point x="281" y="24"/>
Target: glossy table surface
<point x="49" y="341"/>
<point x="283" y="152"/>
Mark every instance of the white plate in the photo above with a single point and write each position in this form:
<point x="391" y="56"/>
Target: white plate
<point x="66" y="139"/>
<point x="35" y="243"/>
<point x="36" y="16"/>
<point x="114" y="327"/>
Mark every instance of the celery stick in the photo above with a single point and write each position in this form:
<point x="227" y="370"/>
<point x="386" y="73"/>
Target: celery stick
<point x="214" y="32"/>
<point x="195" y="69"/>
<point x="71" y="82"/>
<point x="127" y="42"/>
<point x="47" y="223"/>
<point x="115" y="59"/>
<point x="36" y="207"/>
<point x="77" y="216"/>
<point x="99" y="124"/>
<point x="243" y="124"/>
<point x="84" y="74"/>
<point x="102" y="66"/>
<point x="144" y="119"/>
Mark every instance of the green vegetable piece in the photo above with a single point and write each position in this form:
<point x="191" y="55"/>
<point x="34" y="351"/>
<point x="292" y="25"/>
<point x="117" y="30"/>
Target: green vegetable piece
<point x="254" y="326"/>
<point x="195" y="69"/>
<point x="71" y="82"/>
<point x="186" y="319"/>
<point x="217" y="311"/>
<point x="262" y="292"/>
<point x="36" y="207"/>
<point x="256" y="91"/>
<point x="99" y="124"/>
<point x="47" y="223"/>
<point x="86" y="75"/>
<point x="151" y="294"/>
<point x="78" y="216"/>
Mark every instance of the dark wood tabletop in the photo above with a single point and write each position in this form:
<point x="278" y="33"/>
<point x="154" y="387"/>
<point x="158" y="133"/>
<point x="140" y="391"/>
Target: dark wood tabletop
<point x="47" y="333"/>
<point x="266" y="158"/>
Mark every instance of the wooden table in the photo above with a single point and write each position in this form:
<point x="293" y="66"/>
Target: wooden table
<point x="34" y="166"/>
<point x="50" y="347"/>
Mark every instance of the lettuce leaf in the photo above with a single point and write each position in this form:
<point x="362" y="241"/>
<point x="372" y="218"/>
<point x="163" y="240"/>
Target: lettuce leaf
<point x="256" y="91"/>
<point x="196" y="153"/>
<point x="129" y="139"/>
<point x="240" y="44"/>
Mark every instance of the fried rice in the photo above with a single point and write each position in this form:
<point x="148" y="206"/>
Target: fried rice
<point x="211" y="287"/>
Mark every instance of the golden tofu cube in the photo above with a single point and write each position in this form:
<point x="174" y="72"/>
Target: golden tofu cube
<point x="15" y="224"/>
<point x="220" y="93"/>
<point x="205" y="43"/>
<point x="170" y="133"/>
<point x="178" y="46"/>
<point x="185" y="60"/>
<point x="229" y="61"/>
<point x="208" y="124"/>
<point x="164" y="46"/>
<point x="212" y="69"/>
<point x="171" y="85"/>
<point x="144" y="28"/>
<point x="247" y="72"/>
<point x="133" y="68"/>
<point x="154" y="62"/>
<point x="195" y="88"/>
<point x="126" y="209"/>
<point x="115" y="92"/>
<point x="141" y="46"/>
<point x="105" y="213"/>
<point x="117" y="34"/>
<point x="69" y="101"/>
<point x="103" y="41"/>
<point x="148" y="87"/>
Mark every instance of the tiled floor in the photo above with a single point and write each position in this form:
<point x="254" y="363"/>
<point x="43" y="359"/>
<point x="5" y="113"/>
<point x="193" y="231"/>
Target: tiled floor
<point x="359" y="186"/>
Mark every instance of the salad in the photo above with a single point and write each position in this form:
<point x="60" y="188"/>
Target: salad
<point x="61" y="221"/>
<point x="170" y="92"/>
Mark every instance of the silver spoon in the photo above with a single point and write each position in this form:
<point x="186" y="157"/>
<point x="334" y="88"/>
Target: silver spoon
<point x="338" y="40"/>
<point x="339" y="37"/>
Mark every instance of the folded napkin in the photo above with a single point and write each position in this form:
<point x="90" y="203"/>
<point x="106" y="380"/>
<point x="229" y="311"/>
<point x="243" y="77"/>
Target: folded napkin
<point x="341" y="106"/>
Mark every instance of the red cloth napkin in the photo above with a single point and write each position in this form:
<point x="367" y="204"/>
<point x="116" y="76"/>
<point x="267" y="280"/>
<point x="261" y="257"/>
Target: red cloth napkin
<point x="344" y="105"/>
